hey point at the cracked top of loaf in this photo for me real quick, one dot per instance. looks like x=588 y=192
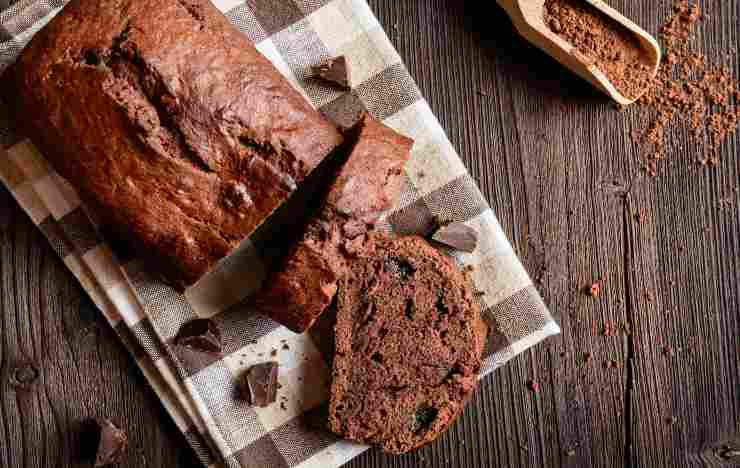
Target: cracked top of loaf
x=176 y=132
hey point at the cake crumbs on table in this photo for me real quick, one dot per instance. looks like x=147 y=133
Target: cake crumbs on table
x=613 y=364
x=533 y=386
x=594 y=289
x=610 y=328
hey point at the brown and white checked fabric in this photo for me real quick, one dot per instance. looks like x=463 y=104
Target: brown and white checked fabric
x=199 y=391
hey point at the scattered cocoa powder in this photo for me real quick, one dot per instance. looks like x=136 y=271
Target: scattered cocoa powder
x=601 y=41
x=533 y=386
x=594 y=289
x=610 y=329
x=613 y=364
x=687 y=90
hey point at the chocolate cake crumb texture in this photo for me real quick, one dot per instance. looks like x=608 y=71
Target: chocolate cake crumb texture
x=687 y=90
x=601 y=41
x=409 y=339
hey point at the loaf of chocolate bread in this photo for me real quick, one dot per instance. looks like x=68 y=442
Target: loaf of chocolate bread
x=176 y=132
x=409 y=338
x=368 y=183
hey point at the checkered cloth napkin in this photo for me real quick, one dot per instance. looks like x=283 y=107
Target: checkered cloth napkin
x=199 y=391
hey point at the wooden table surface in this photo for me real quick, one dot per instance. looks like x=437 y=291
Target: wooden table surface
x=555 y=160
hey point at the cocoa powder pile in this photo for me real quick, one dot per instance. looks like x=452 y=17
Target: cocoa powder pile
x=601 y=41
x=687 y=90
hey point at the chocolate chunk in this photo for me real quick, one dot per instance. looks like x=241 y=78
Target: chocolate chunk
x=399 y=268
x=112 y=444
x=259 y=384
x=423 y=417
x=335 y=70
x=458 y=236
x=202 y=335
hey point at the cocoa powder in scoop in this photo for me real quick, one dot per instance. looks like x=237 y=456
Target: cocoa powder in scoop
x=601 y=41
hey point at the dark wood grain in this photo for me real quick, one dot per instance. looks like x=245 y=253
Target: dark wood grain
x=61 y=363
x=555 y=161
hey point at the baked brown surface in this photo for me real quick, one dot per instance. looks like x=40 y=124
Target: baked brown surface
x=174 y=129
x=368 y=183
x=409 y=340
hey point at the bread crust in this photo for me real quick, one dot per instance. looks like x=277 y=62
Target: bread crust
x=167 y=121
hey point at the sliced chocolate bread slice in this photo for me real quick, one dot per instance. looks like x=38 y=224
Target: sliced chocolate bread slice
x=367 y=184
x=409 y=340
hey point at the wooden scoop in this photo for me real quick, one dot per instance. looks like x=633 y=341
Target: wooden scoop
x=528 y=18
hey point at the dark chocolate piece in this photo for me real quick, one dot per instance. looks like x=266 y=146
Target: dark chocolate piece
x=335 y=70
x=202 y=335
x=112 y=444
x=259 y=384
x=458 y=236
